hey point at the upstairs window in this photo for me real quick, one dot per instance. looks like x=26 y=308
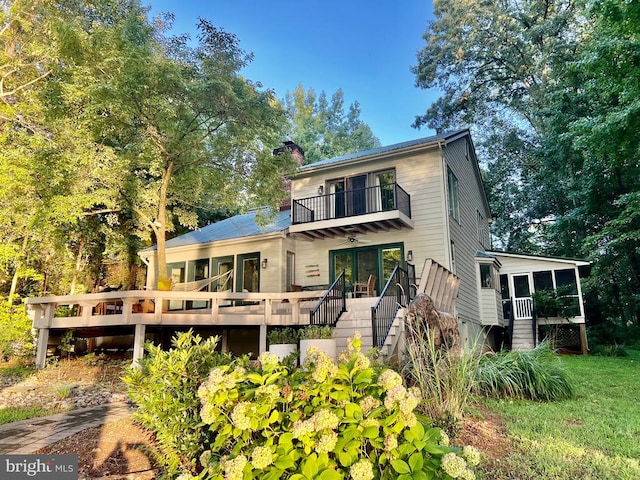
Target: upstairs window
x=452 y=184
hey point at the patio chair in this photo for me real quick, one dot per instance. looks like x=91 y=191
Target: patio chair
x=364 y=289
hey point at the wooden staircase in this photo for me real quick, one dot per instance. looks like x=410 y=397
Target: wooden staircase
x=435 y=280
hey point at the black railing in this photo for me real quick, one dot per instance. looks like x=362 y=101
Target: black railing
x=331 y=305
x=350 y=203
x=507 y=312
x=395 y=294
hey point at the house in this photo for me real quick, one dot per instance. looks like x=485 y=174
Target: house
x=357 y=219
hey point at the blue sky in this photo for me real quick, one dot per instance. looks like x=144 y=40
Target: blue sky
x=364 y=47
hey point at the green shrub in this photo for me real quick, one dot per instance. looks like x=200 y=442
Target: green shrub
x=326 y=421
x=535 y=375
x=15 y=330
x=283 y=336
x=164 y=385
x=614 y=350
x=316 y=332
x=446 y=379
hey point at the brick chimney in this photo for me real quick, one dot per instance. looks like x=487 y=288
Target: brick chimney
x=298 y=155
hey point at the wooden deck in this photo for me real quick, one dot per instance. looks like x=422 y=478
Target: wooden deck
x=139 y=308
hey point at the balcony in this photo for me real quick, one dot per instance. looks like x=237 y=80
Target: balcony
x=371 y=209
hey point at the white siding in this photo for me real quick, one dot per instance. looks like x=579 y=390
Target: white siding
x=462 y=162
x=420 y=174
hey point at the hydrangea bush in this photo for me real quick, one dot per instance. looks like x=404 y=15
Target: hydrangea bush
x=326 y=421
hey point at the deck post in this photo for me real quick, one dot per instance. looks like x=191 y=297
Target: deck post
x=584 y=346
x=138 y=342
x=41 y=352
x=263 y=339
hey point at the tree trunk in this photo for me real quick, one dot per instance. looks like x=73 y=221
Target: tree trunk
x=160 y=224
x=18 y=267
x=78 y=269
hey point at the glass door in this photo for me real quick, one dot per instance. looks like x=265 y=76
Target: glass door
x=198 y=270
x=176 y=274
x=367 y=264
x=248 y=278
x=356 y=195
x=523 y=307
x=219 y=266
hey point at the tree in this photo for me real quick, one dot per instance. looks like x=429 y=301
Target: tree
x=322 y=128
x=559 y=82
x=186 y=124
x=48 y=161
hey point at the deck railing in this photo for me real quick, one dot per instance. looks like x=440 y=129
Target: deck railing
x=395 y=294
x=350 y=203
x=331 y=305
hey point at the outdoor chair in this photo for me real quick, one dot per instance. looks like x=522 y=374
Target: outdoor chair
x=364 y=289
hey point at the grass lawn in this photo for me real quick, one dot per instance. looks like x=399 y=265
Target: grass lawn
x=596 y=435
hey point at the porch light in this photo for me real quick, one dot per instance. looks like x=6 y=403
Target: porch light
x=410 y=256
x=264 y=263
x=321 y=190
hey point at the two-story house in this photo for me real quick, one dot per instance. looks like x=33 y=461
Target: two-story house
x=365 y=213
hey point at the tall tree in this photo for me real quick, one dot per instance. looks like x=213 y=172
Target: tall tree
x=48 y=161
x=323 y=128
x=189 y=126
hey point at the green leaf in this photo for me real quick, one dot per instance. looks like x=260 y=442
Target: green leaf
x=353 y=410
x=310 y=466
x=363 y=376
x=422 y=475
x=345 y=459
x=329 y=474
x=400 y=466
x=370 y=432
x=284 y=462
x=416 y=462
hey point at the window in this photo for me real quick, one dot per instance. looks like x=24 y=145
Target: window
x=291 y=270
x=486 y=276
x=483 y=231
x=453 y=257
x=452 y=184
x=542 y=281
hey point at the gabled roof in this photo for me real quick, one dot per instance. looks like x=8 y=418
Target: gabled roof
x=443 y=137
x=239 y=226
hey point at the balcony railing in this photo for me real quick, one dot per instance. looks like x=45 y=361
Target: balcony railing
x=350 y=203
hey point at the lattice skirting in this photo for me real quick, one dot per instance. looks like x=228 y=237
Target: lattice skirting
x=562 y=336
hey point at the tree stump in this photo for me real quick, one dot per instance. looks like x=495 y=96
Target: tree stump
x=442 y=325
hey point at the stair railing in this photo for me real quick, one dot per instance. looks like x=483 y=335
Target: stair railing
x=332 y=304
x=395 y=294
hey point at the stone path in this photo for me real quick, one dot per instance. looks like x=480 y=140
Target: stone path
x=28 y=436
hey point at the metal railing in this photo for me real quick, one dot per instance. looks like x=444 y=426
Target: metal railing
x=350 y=203
x=395 y=294
x=331 y=305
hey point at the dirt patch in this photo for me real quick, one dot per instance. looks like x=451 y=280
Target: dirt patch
x=117 y=450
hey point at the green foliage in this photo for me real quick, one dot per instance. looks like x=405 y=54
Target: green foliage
x=316 y=332
x=610 y=351
x=591 y=436
x=15 y=330
x=326 y=421
x=15 y=414
x=64 y=391
x=536 y=374
x=283 y=336
x=322 y=128
x=164 y=386
x=445 y=378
